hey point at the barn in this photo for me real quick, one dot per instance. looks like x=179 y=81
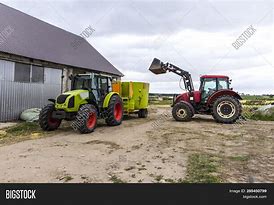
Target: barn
x=36 y=59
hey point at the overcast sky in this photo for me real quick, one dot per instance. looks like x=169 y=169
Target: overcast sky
x=194 y=35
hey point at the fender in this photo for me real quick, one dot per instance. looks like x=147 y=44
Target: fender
x=107 y=98
x=219 y=93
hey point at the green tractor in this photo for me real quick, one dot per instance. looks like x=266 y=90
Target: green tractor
x=90 y=98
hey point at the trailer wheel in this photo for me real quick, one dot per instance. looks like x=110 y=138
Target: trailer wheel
x=226 y=109
x=115 y=111
x=86 y=119
x=182 y=112
x=46 y=122
x=142 y=113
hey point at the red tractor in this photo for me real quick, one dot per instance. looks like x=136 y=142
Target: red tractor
x=214 y=97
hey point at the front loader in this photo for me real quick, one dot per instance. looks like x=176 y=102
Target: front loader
x=215 y=97
x=90 y=98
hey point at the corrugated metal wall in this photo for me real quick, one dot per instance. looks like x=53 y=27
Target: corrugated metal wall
x=16 y=97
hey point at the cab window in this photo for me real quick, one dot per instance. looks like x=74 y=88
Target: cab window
x=104 y=84
x=208 y=87
x=222 y=83
x=209 y=84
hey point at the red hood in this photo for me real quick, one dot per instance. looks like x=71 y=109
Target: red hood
x=185 y=97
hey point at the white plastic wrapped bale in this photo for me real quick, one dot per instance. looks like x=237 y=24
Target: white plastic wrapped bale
x=30 y=115
x=266 y=110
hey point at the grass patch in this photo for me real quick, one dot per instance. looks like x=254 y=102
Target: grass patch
x=65 y=178
x=130 y=168
x=262 y=117
x=160 y=102
x=24 y=128
x=170 y=181
x=252 y=114
x=68 y=178
x=157 y=178
x=111 y=145
x=21 y=132
x=116 y=179
x=243 y=158
x=202 y=168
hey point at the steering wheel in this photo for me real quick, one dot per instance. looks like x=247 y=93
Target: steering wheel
x=210 y=91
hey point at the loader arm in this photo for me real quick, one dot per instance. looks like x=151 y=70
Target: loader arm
x=158 y=67
x=184 y=74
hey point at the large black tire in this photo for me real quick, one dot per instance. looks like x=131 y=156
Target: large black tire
x=46 y=122
x=182 y=112
x=86 y=119
x=142 y=113
x=226 y=109
x=115 y=111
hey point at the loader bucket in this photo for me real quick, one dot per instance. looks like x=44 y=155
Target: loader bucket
x=156 y=67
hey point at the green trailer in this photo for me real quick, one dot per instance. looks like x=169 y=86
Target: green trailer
x=134 y=96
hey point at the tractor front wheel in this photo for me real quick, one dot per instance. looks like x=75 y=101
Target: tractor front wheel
x=46 y=121
x=182 y=112
x=86 y=119
x=115 y=111
x=226 y=109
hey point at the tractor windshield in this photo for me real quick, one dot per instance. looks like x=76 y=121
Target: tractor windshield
x=81 y=83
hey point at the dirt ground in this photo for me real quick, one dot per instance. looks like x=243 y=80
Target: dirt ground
x=156 y=149
x=6 y=124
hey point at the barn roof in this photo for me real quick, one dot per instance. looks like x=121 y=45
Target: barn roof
x=27 y=36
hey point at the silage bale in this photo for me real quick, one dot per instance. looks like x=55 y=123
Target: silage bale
x=30 y=115
x=264 y=113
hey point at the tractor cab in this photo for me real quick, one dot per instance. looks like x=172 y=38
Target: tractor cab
x=212 y=83
x=98 y=85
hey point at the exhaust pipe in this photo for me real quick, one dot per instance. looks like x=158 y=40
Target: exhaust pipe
x=157 y=67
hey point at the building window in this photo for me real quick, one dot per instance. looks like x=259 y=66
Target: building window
x=28 y=73
x=22 y=72
x=37 y=74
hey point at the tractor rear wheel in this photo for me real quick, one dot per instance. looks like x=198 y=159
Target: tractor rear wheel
x=142 y=113
x=226 y=109
x=86 y=119
x=46 y=122
x=182 y=112
x=115 y=111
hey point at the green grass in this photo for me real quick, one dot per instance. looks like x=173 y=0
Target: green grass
x=24 y=128
x=258 y=116
x=21 y=132
x=243 y=158
x=160 y=102
x=116 y=179
x=250 y=113
x=158 y=178
x=65 y=178
x=170 y=180
x=257 y=97
x=202 y=168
